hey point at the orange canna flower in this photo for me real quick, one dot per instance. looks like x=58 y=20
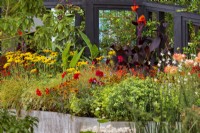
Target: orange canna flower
x=142 y=20
x=134 y=8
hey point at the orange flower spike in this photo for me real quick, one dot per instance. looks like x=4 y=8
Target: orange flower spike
x=142 y=20
x=134 y=8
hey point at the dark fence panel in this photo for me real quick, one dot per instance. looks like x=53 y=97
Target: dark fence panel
x=92 y=7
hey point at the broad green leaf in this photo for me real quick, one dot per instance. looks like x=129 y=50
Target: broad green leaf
x=60 y=27
x=94 y=51
x=76 y=58
x=65 y=55
x=86 y=39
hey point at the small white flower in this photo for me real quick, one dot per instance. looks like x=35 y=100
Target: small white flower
x=168 y=59
x=195 y=63
x=185 y=79
x=174 y=62
x=159 y=65
x=168 y=53
x=167 y=62
x=180 y=66
x=163 y=60
x=178 y=81
x=189 y=73
x=159 y=61
x=149 y=62
x=162 y=54
x=192 y=55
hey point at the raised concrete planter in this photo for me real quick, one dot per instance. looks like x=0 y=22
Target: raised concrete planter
x=52 y=122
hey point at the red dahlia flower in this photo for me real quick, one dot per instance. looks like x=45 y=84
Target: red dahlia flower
x=92 y=80
x=76 y=75
x=63 y=74
x=38 y=92
x=99 y=73
x=120 y=58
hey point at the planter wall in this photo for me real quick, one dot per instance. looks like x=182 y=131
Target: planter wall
x=52 y=122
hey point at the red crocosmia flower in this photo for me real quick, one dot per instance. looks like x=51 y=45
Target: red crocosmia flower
x=47 y=91
x=20 y=32
x=120 y=58
x=142 y=20
x=38 y=92
x=76 y=75
x=63 y=74
x=134 y=8
x=92 y=80
x=199 y=75
x=99 y=73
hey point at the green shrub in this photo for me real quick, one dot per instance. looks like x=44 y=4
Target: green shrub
x=10 y=123
x=131 y=99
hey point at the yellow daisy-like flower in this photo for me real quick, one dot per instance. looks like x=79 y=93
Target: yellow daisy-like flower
x=81 y=63
x=46 y=51
x=6 y=65
x=70 y=70
x=54 y=54
x=10 y=60
x=99 y=58
x=9 y=53
x=17 y=61
x=33 y=70
x=111 y=53
x=51 y=62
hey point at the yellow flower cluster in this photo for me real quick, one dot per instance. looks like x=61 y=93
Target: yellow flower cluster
x=27 y=58
x=82 y=63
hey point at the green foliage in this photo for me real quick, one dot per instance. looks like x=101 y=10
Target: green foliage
x=194 y=42
x=17 y=16
x=10 y=123
x=81 y=105
x=116 y=28
x=66 y=55
x=131 y=99
x=191 y=5
x=59 y=27
x=76 y=58
x=150 y=29
x=94 y=51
